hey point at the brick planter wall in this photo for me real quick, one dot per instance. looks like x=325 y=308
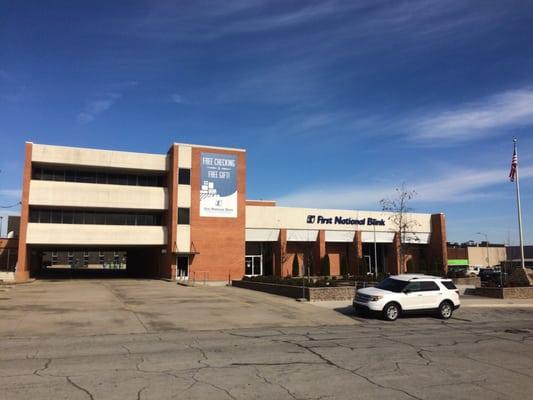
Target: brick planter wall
x=311 y=294
x=331 y=293
x=472 y=281
x=525 y=292
x=294 y=292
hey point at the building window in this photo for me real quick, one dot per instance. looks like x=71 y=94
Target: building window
x=184 y=176
x=91 y=176
x=184 y=216
x=90 y=217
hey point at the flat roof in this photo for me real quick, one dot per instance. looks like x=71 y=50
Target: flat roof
x=210 y=147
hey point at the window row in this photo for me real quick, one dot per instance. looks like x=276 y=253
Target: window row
x=63 y=175
x=94 y=217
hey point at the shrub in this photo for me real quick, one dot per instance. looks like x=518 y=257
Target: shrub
x=344 y=265
x=295 y=266
x=325 y=265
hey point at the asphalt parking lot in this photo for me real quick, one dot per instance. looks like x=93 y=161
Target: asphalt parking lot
x=483 y=352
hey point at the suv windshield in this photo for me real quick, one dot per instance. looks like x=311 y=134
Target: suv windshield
x=392 y=285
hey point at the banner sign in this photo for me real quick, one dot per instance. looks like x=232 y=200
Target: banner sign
x=218 y=185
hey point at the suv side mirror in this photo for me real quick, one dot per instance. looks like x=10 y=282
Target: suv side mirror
x=407 y=291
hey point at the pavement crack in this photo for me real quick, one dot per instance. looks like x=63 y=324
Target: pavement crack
x=274 y=364
x=355 y=372
x=141 y=390
x=79 y=387
x=46 y=365
x=269 y=382
x=498 y=366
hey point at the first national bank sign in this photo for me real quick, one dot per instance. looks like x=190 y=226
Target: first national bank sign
x=337 y=220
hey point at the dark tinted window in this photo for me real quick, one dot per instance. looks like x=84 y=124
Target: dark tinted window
x=70 y=176
x=115 y=219
x=99 y=219
x=78 y=217
x=37 y=173
x=449 y=285
x=428 y=286
x=47 y=175
x=101 y=177
x=392 y=285
x=94 y=217
x=89 y=217
x=184 y=176
x=59 y=176
x=413 y=287
x=68 y=217
x=44 y=216
x=86 y=177
x=132 y=180
x=34 y=215
x=114 y=178
x=55 y=216
x=183 y=216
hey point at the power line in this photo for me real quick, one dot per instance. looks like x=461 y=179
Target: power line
x=12 y=205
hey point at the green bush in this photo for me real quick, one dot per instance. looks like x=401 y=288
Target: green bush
x=295 y=266
x=325 y=265
x=344 y=265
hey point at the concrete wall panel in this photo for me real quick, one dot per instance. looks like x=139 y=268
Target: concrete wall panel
x=72 y=234
x=73 y=194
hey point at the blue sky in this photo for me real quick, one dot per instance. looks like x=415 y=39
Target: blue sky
x=336 y=102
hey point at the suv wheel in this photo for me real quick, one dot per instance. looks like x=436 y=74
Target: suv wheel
x=445 y=310
x=391 y=311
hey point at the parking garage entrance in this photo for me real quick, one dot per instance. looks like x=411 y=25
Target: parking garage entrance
x=105 y=262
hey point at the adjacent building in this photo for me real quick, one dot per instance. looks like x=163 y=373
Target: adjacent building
x=185 y=214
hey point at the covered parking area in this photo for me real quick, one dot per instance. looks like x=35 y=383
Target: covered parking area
x=63 y=262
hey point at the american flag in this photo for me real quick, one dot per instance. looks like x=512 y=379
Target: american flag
x=514 y=165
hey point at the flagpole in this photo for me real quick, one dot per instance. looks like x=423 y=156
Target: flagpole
x=519 y=207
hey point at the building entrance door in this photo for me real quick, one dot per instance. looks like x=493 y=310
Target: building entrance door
x=253 y=266
x=182 y=272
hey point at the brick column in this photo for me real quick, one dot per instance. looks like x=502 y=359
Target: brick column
x=355 y=254
x=280 y=250
x=438 y=250
x=393 y=262
x=320 y=251
x=22 y=272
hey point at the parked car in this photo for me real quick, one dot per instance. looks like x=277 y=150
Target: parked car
x=473 y=270
x=409 y=293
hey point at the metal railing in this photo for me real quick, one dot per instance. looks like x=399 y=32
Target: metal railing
x=200 y=276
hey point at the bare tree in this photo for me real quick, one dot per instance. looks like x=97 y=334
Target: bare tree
x=399 y=208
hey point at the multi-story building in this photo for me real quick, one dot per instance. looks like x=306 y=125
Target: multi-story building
x=185 y=213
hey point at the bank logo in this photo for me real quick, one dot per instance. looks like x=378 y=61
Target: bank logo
x=311 y=219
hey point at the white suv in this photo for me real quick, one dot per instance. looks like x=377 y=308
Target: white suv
x=409 y=293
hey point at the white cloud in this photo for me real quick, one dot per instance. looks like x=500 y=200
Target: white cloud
x=98 y=106
x=456 y=186
x=481 y=118
x=177 y=98
x=104 y=101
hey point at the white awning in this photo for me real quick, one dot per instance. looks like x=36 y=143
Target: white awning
x=301 y=235
x=340 y=236
x=262 y=235
x=381 y=237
